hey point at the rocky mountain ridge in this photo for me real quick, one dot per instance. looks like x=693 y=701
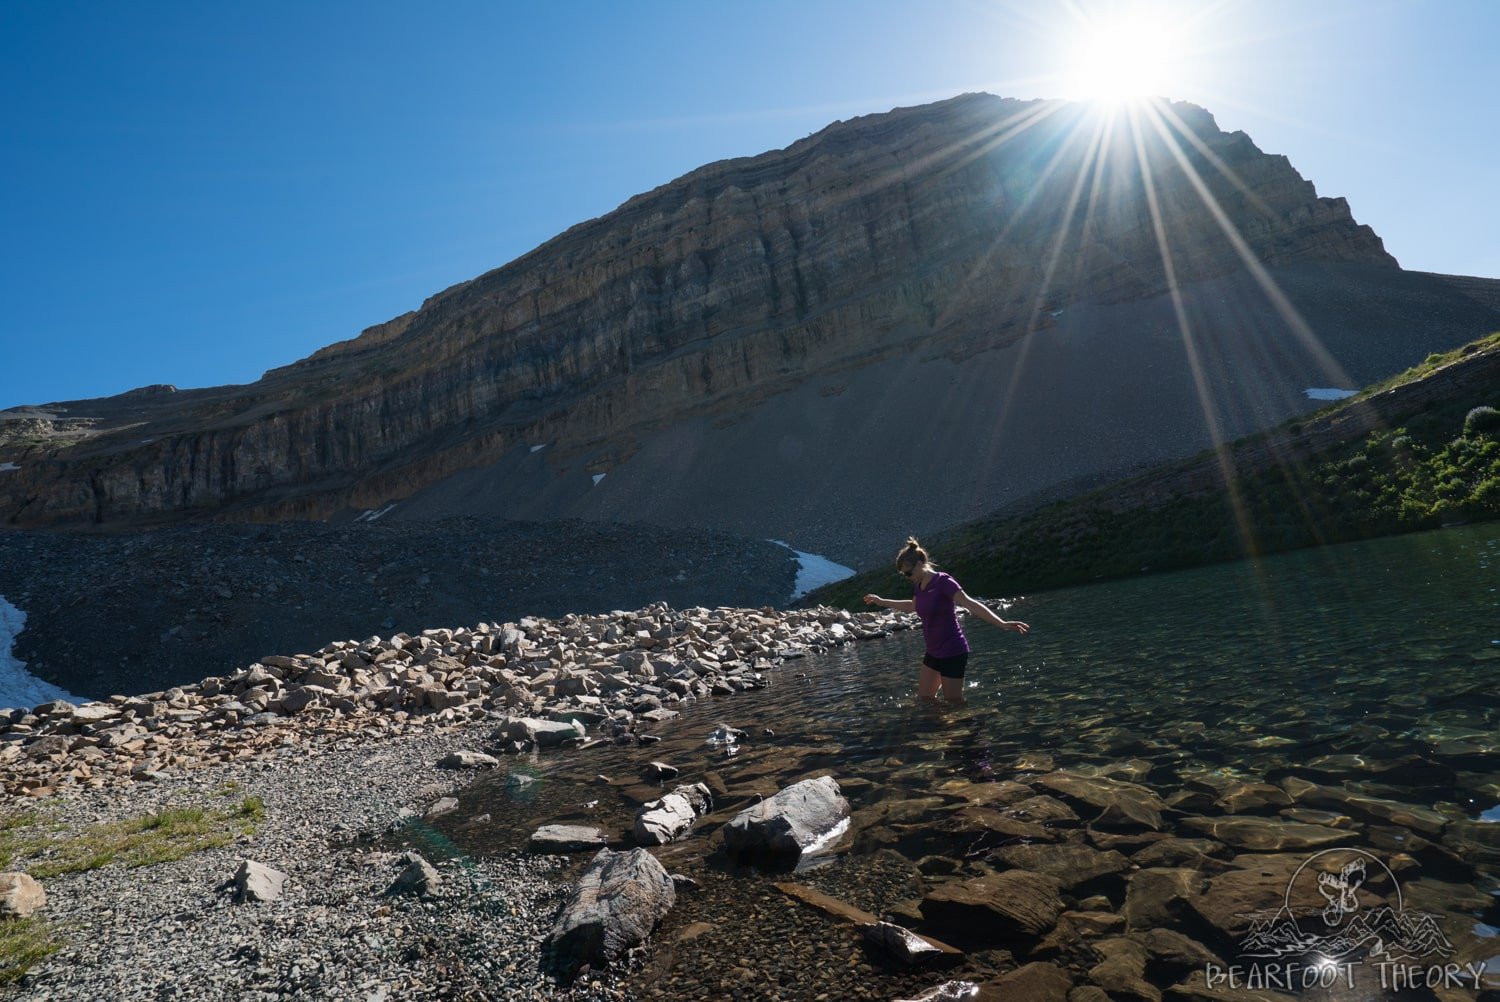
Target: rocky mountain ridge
x=968 y=223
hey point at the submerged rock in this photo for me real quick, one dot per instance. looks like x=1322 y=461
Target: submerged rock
x=791 y=821
x=1172 y=852
x=616 y=904
x=826 y=904
x=1249 y=798
x=1072 y=865
x=1117 y=804
x=995 y=907
x=1263 y=884
x=1174 y=950
x=1122 y=971
x=1158 y=897
x=1252 y=834
x=1035 y=982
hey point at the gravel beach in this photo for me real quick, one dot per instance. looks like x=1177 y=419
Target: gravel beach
x=173 y=930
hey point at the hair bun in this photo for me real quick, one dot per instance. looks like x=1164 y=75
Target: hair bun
x=913 y=552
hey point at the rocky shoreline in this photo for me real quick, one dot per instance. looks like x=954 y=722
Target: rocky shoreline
x=341 y=746
x=615 y=673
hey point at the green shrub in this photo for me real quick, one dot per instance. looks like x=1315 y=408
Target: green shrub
x=1482 y=420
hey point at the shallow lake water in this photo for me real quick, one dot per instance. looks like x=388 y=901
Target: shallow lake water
x=1360 y=681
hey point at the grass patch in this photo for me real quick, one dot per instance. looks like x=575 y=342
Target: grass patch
x=23 y=941
x=153 y=838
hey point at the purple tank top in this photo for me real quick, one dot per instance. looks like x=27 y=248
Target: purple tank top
x=945 y=638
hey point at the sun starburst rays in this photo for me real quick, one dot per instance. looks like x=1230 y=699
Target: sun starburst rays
x=1146 y=150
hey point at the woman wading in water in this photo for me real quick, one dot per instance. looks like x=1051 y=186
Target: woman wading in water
x=936 y=600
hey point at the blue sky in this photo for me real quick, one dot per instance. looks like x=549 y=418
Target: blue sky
x=193 y=193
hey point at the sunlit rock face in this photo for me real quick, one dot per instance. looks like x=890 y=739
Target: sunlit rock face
x=960 y=227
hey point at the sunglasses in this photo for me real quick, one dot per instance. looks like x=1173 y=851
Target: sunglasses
x=906 y=572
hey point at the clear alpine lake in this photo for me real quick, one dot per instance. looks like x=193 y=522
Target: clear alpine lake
x=1347 y=690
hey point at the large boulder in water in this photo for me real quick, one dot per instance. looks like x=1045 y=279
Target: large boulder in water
x=791 y=821
x=617 y=903
x=669 y=818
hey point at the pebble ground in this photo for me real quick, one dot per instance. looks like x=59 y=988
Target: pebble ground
x=173 y=930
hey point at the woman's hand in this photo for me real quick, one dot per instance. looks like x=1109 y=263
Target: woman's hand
x=874 y=600
x=1019 y=627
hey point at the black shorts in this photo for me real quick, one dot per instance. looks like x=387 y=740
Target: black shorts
x=947 y=667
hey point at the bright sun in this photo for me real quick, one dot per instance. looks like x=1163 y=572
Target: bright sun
x=1123 y=58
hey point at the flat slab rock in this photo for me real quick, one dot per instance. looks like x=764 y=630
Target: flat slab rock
x=1009 y=905
x=1267 y=835
x=826 y=904
x=567 y=838
x=1118 y=804
x=954 y=991
x=616 y=904
x=1072 y=865
x=1035 y=982
x=1160 y=896
x=546 y=733
x=790 y=822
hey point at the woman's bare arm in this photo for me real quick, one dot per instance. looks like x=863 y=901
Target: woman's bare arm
x=899 y=604
x=987 y=614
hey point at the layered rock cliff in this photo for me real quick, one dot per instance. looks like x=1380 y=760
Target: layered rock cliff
x=970 y=222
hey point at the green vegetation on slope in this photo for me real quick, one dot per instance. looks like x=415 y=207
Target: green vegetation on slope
x=1440 y=464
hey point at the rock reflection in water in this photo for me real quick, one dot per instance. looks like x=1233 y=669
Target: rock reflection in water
x=1159 y=757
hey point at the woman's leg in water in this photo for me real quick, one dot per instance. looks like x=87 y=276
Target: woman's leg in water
x=927 y=685
x=953 y=690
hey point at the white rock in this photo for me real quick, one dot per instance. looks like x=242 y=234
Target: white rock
x=256 y=882
x=791 y=821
